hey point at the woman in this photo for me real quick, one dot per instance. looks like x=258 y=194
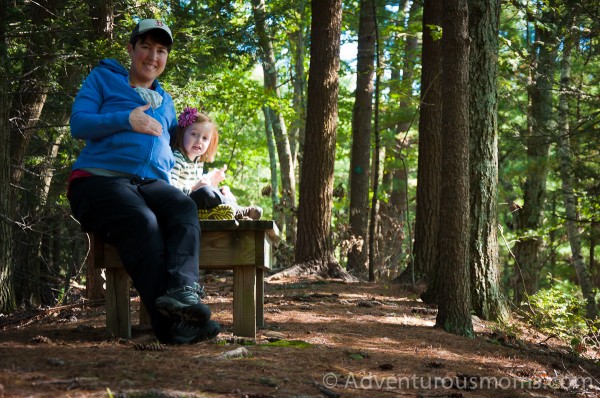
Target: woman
x=119 y=186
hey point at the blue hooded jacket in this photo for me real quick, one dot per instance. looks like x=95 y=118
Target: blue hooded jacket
x=100 y=115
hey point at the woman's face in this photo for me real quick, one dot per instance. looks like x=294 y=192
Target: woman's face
x=148 y=61
x=196 y=139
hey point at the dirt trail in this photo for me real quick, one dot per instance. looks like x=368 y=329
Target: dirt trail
x=322 y=339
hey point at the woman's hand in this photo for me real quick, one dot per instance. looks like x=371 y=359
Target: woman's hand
x=142 y=123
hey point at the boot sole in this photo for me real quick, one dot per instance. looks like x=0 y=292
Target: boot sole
x=197 y=314
x=208 y=331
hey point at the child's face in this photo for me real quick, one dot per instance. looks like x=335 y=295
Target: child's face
x=196 y=139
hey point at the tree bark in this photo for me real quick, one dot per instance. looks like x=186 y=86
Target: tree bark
x=361 y=139
x=314 y=251
x=298 y=78
x=7 y=293
x=429 y=166
x=278 y=215
x=102 y=16
x=454 y=305
x=32 y=91
x=566 y=173
x=288 y=179
x=488 y=300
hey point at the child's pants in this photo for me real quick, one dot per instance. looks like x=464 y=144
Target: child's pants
x=208 y=197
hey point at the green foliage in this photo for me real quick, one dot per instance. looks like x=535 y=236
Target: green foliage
x=435 y=31
x=560 y=311
x=504 y=333
x=518 y=49
x=288 y=343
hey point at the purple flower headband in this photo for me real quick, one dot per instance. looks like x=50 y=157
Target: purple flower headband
x=187 y=117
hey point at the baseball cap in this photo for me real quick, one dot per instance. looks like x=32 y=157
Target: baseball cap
x=146 y=25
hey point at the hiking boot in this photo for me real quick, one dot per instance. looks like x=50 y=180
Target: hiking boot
x=184 y=303
x=221 y=212
x=249 y=213
x=185 y=333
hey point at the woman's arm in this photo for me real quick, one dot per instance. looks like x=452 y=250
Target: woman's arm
x=89 y=123
x=86 y=120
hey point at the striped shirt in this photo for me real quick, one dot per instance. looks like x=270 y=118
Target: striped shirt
x=186 y=172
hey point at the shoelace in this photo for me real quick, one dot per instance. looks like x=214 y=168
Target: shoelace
x=195 y=292
x=200 y=290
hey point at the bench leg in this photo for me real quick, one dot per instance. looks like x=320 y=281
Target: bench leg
x=244 y=301
x=144 y=316
x=260 y=297
x=118 y=316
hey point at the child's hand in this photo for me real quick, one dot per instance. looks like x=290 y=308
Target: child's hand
x=216 y=176
x=204 y=181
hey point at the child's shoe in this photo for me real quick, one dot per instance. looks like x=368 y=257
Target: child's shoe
x=221 y=212
x=249 y=213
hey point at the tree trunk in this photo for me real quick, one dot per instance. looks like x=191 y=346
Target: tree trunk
x=528 y=248
x=7 y=293
x=488 y=300
x=288 y=180
x=361 y=139
x=102 y=16
x=429 y=166
x=278 y=213
x=32 y=91
x=298 y=78
x=566 y=173
x=454 y=305
x=25 y=114
x=314 y=252
x=395 y=175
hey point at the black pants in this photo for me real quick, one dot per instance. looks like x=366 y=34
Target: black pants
x=207 y=197
x=154 y=227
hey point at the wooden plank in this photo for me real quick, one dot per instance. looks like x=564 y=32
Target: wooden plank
x=111 y=257
x=227 y=248
x=269 y=226
x=118 y=314
x=260 y=297
x=144 y=316
x=261 y=261
x=244 y=301
x=94 y=282
x=244 y=225
x=218 y=225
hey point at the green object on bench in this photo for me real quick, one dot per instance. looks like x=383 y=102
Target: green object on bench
x=244 y=246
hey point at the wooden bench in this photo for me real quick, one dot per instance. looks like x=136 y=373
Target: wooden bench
x=241 y=245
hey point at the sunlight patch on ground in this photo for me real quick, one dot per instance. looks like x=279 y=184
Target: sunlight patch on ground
x=407 y=320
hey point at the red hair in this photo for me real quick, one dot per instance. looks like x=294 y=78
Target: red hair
x=201 y=118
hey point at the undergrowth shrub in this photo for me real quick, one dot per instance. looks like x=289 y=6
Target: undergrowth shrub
x=560 y=311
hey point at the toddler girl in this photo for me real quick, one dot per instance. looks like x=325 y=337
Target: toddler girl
x=195 y=142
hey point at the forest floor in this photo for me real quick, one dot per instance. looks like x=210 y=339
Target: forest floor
x=321 y=339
